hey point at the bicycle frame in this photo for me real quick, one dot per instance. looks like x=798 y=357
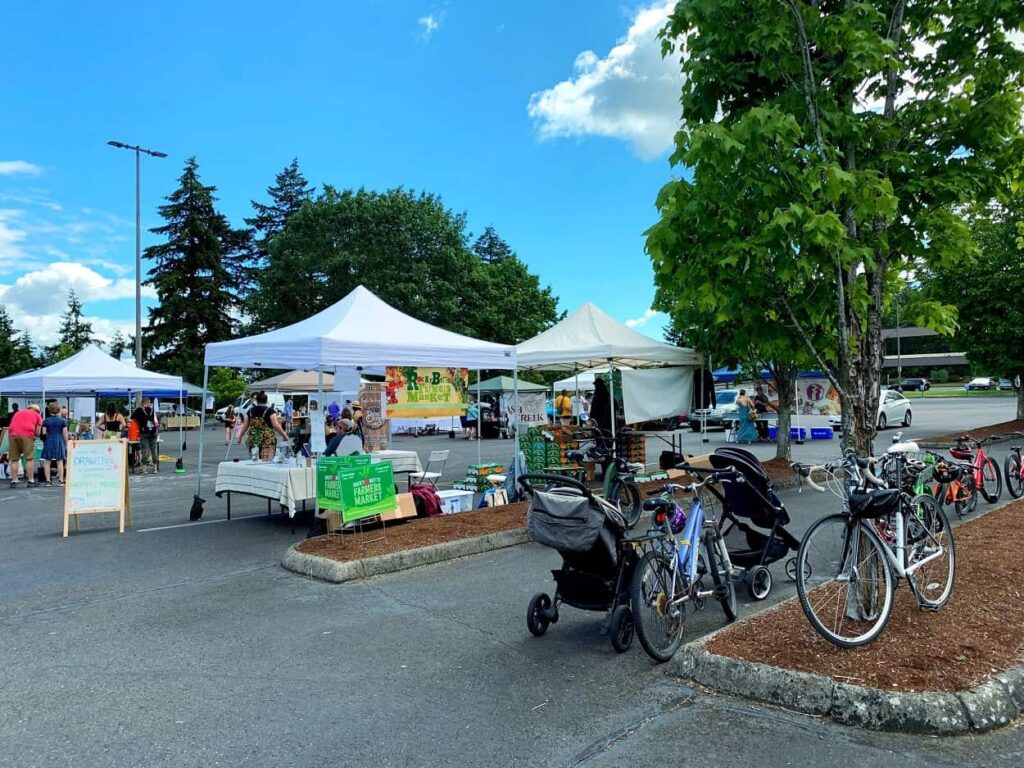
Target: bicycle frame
x=684 y=555
x=979 y=459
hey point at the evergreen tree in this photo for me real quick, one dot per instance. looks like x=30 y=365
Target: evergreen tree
x=490 y=248
x=196 y=274
x=119 y=345
x=75 y=332
x=289 y=192
x=15 y=349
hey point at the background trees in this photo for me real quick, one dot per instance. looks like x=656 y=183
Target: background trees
x=75 y=333
x=988 y=291
x=836 y=142
x=15 y=347
x=196 y=272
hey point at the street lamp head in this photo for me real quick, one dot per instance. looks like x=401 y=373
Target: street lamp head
x=158 y=154
x=118 y=144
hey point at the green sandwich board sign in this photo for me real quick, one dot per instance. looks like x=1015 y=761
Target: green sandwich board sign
x=354 y=486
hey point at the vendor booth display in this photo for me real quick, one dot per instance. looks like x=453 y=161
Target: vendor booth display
x=357 y=330
x=545 y=448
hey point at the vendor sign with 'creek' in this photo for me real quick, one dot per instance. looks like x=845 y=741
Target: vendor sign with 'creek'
x=415 y=393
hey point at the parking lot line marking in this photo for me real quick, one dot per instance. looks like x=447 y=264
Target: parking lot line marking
x=193 y=525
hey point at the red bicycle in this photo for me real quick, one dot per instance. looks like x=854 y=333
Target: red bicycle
x=1014 y=468
x=987 y=479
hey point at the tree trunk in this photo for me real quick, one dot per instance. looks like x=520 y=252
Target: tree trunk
x=785 y=381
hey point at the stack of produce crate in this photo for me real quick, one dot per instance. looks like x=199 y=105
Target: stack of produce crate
x=476 y=477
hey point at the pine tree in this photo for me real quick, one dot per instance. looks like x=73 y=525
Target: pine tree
x=197 y=273
x=75 y=333
x=289 y=192
x=490 y=248
x=119 y=345
x=15 y=349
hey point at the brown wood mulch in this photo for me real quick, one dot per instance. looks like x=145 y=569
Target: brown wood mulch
x=978 y=632
x=416 y=533
x=980 y=433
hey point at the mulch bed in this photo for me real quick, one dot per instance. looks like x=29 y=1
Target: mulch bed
x=778 y=470
x=979 y=433
x=978 y=632
x=417 y=533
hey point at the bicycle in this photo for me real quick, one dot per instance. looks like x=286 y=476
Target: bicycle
x=617 y=476
x=1013 y=468
x=986 y=471
x=847 y=561
x=954 y=485
x=670 y=573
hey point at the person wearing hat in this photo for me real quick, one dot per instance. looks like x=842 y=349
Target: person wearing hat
x=26 y=426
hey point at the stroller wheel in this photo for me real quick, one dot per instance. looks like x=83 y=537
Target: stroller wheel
x=538 y=614
x=621 y=624
x=791 y=569
x=759 y=582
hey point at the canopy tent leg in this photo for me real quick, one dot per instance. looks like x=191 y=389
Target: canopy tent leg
x=197 y=502
x=181 y=425
x=611 y=378
x=479 y=418
x=703 y=406
x=514 y=413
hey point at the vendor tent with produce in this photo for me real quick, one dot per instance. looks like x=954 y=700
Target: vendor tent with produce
x=589 y=338
x=359 y=330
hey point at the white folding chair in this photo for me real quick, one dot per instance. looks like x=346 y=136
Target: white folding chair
x=438 y=458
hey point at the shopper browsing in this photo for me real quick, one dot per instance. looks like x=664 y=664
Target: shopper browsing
x=145 y=417
x=55 y=445
x=26 y=426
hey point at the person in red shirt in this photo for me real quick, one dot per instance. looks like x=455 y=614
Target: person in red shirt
x=25 y=427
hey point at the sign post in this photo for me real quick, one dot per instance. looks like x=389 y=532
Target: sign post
x=97 y=480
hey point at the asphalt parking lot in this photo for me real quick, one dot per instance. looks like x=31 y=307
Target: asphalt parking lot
x=185 y=644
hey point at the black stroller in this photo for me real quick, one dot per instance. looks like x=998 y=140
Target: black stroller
x=751 y=549
x=597 y=563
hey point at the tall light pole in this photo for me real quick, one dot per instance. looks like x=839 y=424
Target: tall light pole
x=139 y=151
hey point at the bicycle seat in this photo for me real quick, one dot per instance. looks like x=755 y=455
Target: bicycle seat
x=963 y=455
x=576 y=456
x=650 y=505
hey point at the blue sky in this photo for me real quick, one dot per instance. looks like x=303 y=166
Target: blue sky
x=550 y=121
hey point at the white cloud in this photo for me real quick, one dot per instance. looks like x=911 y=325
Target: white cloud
x=12 y=167
x=430 y=24
x=12 y=235
x=639 y=322
x=631 y=94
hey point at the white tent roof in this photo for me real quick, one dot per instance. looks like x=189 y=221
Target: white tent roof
x=359 y=330
x=588 y=338
x=89 y=371
x=294 y=381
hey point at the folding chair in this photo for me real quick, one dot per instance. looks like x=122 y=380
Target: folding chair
x=427 y=476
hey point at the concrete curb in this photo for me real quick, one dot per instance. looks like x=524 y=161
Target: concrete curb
x=325 y=569
x=993 y=704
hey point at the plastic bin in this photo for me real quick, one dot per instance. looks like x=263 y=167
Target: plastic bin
x=455 y=501
x=821 y=433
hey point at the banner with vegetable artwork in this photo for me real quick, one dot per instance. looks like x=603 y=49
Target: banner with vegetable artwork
x=415 y=393
x=817 y=397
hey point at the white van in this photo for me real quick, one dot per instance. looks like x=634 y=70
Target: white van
x=242 y=405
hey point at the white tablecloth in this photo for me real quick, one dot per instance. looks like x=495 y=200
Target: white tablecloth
x=401 y=461
x=285 y=484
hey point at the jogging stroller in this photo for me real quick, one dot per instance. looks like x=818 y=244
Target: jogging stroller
x=763 y=539
x=597 y=566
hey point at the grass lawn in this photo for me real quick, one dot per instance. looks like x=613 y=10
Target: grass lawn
x=958 y=391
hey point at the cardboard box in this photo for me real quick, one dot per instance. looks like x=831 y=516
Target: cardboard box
x=406 y=508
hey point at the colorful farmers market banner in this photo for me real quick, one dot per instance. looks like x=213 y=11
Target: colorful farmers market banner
x=415 y=393
x=817 y=397
x=355 y=486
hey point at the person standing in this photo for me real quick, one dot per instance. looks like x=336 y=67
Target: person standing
x=746 y=430
x=6 y=420
x=472 y=416
x=229 y=423
x=145 y=417
x=289 y=415
x=563 y=407
x=55 y=445
x=25 y=428
x=761 y=406
x=113 y=423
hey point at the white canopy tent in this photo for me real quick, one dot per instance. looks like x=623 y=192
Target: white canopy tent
x=88 y=373
x=358 y=330
x=584 y=380
x=590 y=338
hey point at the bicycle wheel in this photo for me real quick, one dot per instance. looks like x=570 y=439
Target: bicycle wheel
x=848 y=595
x=725 y=588
x=965 y=495
x=1014 y=478
x=929 y=535
x=658 y=620
x=627 y=496
x=991 y=483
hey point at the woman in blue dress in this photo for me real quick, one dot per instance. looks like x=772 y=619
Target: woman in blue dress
x=55 y=444
x=747 y=431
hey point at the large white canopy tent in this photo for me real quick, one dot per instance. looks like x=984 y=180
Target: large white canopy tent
x=590 y=338
x=359 y=330
x=88 y=373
